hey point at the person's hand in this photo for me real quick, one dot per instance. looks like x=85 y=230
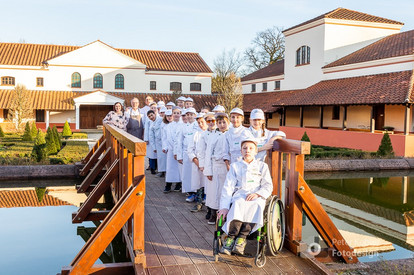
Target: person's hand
x=201 y=169
x=195 y=160
x=269 y=144
x=164 y=151
x=252 y=197
x=222 y=212
x=155 y=151
x=175 y=157
x=210 y=178
x=147 y=142
x=180 y=161
x=227 y=164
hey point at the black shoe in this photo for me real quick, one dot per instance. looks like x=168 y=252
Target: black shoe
x=177 y=187
x=197 y=208
x=167 y=187
x=213 y=217
x=149 y=168
x=208 y=215
x=162 y=175
x=153 y=171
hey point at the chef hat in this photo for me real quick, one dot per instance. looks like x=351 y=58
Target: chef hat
x=183 y=112
x=163 y=109
x=153 y=103
x=219 y=108
x=170 y=104
x=176 y=107
x=160 y=104
x=221 y=114
x=237 y=111
x=189 y=99
x=210 y=115
x=182 y=98
x=191 y=110
x=168 y=112
x=257 y=114
x=249 y=139
x=200 y=115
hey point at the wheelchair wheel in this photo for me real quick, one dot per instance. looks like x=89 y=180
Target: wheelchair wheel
x=217 y=239
x=260 y=259
x=275 y=225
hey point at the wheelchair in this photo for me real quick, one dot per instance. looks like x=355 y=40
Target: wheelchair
x=269 y=238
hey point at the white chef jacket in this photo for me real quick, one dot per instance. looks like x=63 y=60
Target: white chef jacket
x=234 y=137
x=263 y=139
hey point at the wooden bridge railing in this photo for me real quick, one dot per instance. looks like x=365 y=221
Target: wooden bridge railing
x=121 y=156
x=299 y=198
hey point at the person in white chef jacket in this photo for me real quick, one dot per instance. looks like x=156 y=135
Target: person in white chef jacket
x=152 y=116
x=195 y=155
x=248 y=184
x=215 y=168
x=155 y=137
x=264 y=137
x=234 y=136
x=168 y=143
x=184 y=135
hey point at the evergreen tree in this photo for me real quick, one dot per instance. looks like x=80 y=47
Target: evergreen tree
x=385 y=149
x=306 y=138
x=40 y=193
x=27 y=136
x=39 y=148
x=67 y=132
x=50 y=142
x=33 y=130
x=1 y=132
x=58 y=141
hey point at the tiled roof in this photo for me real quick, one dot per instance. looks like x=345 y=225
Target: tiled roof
x=27 y=198
x=35 y=54
x=346 y=14
x=389 y=88
x=399 y=44
x=275 y=69
x=63 y=100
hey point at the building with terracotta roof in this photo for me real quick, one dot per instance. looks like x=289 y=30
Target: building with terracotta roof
x=59 y=76
x=346 y=77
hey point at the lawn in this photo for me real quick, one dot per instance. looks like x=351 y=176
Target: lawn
x=326 y=152
x=14 y=151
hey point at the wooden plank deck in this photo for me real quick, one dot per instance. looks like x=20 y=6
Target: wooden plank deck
x=180 y=242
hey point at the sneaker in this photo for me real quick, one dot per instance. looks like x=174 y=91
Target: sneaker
x=208 y=215
x=213 y=217
x=204 y=199
x=162 y=175
x=196 y=208
x=239 y=246
x=190 y=198
x=152 y=171
x=227 y=246
x=167 y=188
x=159 y=174
x=177 y=187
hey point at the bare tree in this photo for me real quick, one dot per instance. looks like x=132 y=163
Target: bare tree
x=226 y=82
x=20 y=108
x=267 y=47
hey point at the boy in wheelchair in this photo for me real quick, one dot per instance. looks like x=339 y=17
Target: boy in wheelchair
x=248 y=184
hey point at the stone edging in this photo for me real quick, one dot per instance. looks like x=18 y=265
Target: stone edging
x=358 y=164
x=38 y=171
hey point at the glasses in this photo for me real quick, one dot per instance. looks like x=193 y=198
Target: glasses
x=210 y=121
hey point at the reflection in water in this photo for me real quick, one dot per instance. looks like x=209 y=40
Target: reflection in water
x=373 y=211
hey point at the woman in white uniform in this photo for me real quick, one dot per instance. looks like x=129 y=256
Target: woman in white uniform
x=172 y=174
x=248 y=184
x=263 y=136
x=155 y=137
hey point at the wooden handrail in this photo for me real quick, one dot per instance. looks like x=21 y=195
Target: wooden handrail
x=299 y=198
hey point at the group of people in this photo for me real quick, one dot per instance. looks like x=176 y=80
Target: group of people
x=208 y=155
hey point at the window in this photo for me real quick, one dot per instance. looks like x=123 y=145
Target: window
x=76 y=80
x=97 y=81
x=7 y=81
x=40 y=115
x=6 y=114
x=335 y=112
x=175 y=86
x=264 y=87
x=119 y=81
x=303 y=55
x=277 y=85
x=253 y=88
x=39 y=82
x=196 y=87
x=153 y=85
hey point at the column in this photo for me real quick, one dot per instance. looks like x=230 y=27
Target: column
x=372 y=122
x=47 y=118
x=301 y=116
x=344 y=121
x=77 y=107
x=407 y=123
x=321 y=117
x=404 y=193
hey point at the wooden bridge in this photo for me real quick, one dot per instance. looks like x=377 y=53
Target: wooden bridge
x=162 y=236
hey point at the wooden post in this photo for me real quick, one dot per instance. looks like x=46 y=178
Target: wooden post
x=301 y=116
x=276 y=165
x=344 y=121
x=372 y=121
x=321 y=117
x=407 y=120
x=139 y=213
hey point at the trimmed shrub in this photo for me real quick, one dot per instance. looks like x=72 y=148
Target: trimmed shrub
x=67 y=132
x=385 y=149
x=1 y=132
x=58 y=141
x=50 y=142
x=33 y=130
x=39 y=148
x=27 y=136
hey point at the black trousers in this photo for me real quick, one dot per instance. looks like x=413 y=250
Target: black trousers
x=238 y=229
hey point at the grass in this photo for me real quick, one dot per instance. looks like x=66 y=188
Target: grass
x=14 y=151
x=326 y=152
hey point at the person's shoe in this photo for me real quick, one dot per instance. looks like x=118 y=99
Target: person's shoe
x=213 y=217
x=190 y=198
x=196 y=208
x=162 y=175
x=227 y=246
x=153 y=171
x=239 y=246
x=208 y=215
x=167 y=187
x=148 y=168
x=159 y=174
x=177 y=187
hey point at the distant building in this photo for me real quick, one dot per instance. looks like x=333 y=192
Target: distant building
x=346 y=77
x=62 y=78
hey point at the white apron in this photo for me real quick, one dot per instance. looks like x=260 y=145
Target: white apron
x=172 y=169
x=241 y=180
x=214 y=188
x=197 y=177
x=161 y=156
x=234 y=137
x=150 y=146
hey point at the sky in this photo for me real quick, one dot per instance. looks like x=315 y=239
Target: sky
x=206 y=27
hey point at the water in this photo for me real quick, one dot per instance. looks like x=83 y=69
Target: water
x=373 y=210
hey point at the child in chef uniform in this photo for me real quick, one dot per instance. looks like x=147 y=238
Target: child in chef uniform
x=248 y=184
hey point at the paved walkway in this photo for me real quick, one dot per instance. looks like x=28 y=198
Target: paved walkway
x=180 y=242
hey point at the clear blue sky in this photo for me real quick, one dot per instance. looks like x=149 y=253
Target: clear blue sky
x=206 y=27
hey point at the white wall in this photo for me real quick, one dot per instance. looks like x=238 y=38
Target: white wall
x=62 y=116
x=247 y=85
